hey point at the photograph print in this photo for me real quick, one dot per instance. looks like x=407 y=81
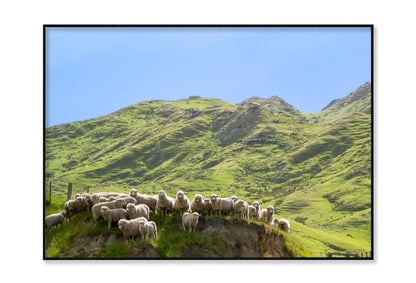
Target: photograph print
x=208 y=142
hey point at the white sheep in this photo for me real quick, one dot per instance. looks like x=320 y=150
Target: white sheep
x=266 y=215
x=150 y=201
x=113 y=215
x=164 y=204
x=284 y=225
x=148 y=229
x=240 y=209
x=131 y=228
x=253 y=210
x=190 y=220
x=181 y=203
x=136 y=211
x=275 y=223
x=54 y=219
x=221 y=205
x=96 y=208
x=197 y=204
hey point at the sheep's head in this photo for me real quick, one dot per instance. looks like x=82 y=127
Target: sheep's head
x=198 y=198
x=234 y=198
x=213 y=197
x=275 y=221
x=104 y=209
x=256 y=205
x=270 y=210
x=130 y=207
x=180 y=195
x=122 y=223
x=195 y=215
x=133 y=192
x=162 y=194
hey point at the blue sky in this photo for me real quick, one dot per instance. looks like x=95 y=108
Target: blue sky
x=91 y=72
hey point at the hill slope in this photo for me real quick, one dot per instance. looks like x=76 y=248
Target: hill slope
x=214 y=238
x=316 y=171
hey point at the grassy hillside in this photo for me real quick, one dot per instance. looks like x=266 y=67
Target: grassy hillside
x=215 y=237
x=315 y=169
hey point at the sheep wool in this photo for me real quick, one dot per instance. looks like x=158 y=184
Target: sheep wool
x=181 y=203
x=54 y=220
x=190 y=221
x=113 y=215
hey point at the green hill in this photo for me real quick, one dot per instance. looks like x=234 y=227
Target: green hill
x=315 y=169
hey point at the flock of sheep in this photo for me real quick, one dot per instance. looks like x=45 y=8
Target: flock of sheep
x=131 y=212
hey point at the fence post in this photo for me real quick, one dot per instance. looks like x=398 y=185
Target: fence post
x=50 y=192
x=69 y=192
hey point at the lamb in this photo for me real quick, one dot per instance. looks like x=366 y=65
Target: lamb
x=221 y=205
x=131 y=228
x=148 y=229
x=150 y=201
x=54 y=219
x=284 y=225
x=253 y=210
x=190 y=220
x=240 y=209
x=96 y=208
x=181 y=203
x=198 y=203
x=136 y=211
x=113 y=215
x=266 y=215
x=164 y=203
x=275 y=223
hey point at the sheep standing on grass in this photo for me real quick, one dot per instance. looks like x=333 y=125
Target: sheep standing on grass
x=253 y=210
x=181 y=203
x=131 y=228
x=96 y=208
x=148 y=229
x=190 y=220
x=275 y=223
x=240 y=209
x=266 y=215
x=150 y=201
x=113 y=215
x=54 y=219
x=284 y=225
x=221 y=205
x=164 y=203
x=197 y=204
x=136 y=211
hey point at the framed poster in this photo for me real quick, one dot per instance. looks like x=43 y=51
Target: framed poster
x=218 y=142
